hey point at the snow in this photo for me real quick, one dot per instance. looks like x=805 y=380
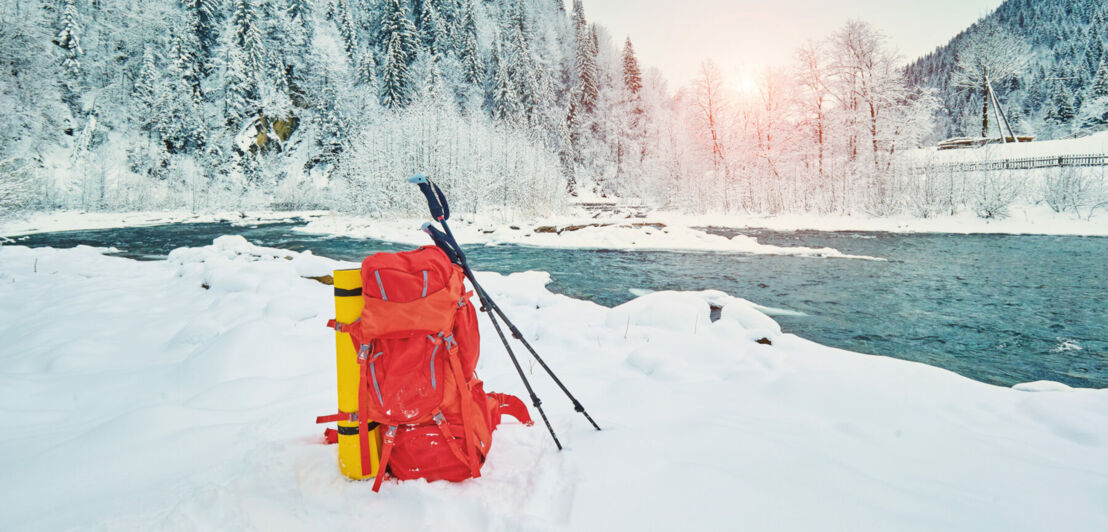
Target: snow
x=51 y=221
x=181 y=394
x=1023 y=219
x=1042 y=386
x=679 y=233
x=566 y=232
x=1096 y=143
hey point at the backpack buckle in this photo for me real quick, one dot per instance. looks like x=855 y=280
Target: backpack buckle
x=450 y=341
x=363 y=352
x=339 y=326
x=464 y=299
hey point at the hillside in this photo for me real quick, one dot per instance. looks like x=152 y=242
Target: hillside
x=204 y=104
x=1067 y=45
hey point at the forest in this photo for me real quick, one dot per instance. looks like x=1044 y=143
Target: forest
x=520 y=107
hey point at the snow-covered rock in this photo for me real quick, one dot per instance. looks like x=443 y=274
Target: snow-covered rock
x=671 y=311
x=756 y=324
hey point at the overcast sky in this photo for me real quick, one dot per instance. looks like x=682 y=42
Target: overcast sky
x=741 y=36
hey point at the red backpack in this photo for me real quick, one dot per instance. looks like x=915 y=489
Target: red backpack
x=417 y=344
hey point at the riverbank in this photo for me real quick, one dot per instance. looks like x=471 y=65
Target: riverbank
x=617 y=230
x=181 y=394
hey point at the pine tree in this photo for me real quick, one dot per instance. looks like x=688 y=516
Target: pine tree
x=579 y=23
x=202 y=21
x=503 y=100
x=570 y=155
x=238 y=90
x=632 y=76
x=1099 y=87
x=634 y=132
x=394 y=83
x=399 y=35
x=367 y=70
x=432 y=29
x=519 y=65
x=589 y=83
x=466 y=46
x=348 y=29
x=1062 y=108
x=1094 y=50
x=146 y=89
x=70 y=42
x=247 y=37
x=1094 y=110
x=300 y=13
x=397 y=30
x=185 y=51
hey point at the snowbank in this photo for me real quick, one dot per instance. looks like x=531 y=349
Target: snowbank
x=566 y=232
x=613 y=233
x=50 y=221
x=1022 y=219
x=181 y=394
x=1088 y=144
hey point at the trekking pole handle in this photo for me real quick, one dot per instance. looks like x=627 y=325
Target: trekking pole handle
x=443 y=242
x=436 y=201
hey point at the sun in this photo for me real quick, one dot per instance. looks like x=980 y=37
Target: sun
x=747 y=85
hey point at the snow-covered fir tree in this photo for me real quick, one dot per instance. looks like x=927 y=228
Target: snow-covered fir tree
x=1062 y=112
x=70 y=42
x=400 y=45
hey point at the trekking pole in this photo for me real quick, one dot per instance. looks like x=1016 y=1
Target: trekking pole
x=440 y=211
x=577 y=406
x=526 y=384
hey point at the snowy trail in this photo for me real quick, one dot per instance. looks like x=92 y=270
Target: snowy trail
x=131 y=397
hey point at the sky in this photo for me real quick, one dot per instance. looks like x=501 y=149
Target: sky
x=744 y=36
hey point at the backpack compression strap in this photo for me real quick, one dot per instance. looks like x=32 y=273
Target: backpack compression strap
x=465 y=397
x=448 y=435
x=363 y=413
x=386 y=453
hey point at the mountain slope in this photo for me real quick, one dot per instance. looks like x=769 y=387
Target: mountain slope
x=1067 y=39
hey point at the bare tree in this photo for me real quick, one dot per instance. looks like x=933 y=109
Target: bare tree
x=811 y=76
x=870 y=79
x=714 y=106
x=990 y=54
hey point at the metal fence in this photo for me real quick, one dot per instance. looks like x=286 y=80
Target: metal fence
x=1022 y=163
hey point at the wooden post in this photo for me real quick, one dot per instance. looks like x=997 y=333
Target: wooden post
x=1002 y=118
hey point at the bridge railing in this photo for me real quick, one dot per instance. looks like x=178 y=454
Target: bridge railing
x=1020 y=163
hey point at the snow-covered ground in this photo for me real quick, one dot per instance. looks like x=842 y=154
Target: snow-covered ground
x=1089 y=144
x=181 y=394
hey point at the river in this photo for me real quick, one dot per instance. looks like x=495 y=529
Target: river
x=1002 y=309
